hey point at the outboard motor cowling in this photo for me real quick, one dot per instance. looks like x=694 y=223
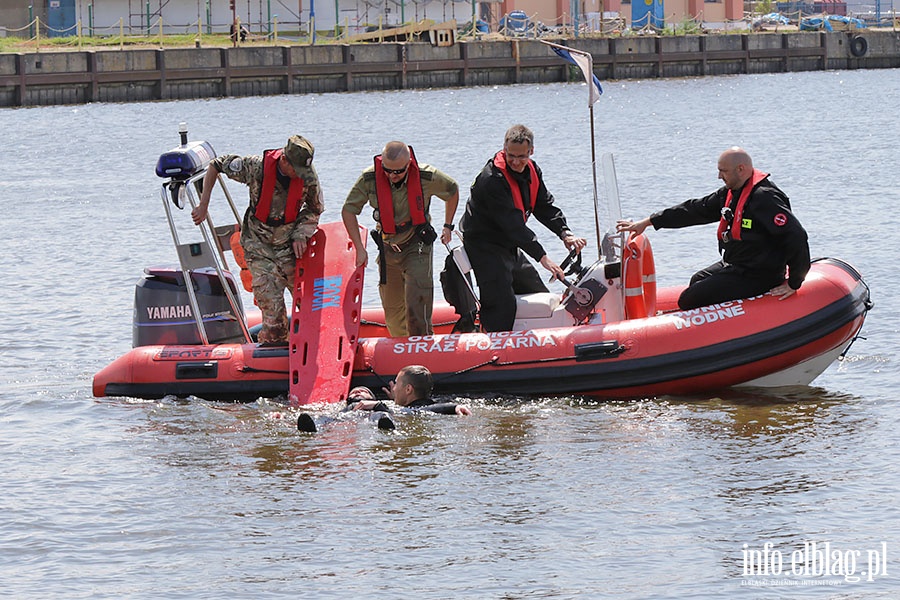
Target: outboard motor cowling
x=162 y=308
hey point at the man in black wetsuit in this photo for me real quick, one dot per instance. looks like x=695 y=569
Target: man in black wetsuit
x=411 y=390
x=509 y=189
x=306 y=422
x=764 y=247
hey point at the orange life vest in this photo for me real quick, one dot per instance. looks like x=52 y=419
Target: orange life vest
x=738 y=211
x=270 y=176
x=414 y=195
x=238 y=251
x=500 y=163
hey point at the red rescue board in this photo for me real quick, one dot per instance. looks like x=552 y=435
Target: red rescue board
x=325 y=317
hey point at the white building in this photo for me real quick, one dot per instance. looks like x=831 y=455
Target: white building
x=104 y=17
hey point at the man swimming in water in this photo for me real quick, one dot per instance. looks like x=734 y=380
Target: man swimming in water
x=410 y=390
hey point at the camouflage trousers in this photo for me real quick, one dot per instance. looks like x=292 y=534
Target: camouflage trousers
x=273 y=272
x=408 y=295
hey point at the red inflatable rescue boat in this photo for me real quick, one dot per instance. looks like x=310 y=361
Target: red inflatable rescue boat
x=195 y=340
x=754 y=342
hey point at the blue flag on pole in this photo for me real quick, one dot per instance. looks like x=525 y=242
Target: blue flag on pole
x=584 y=63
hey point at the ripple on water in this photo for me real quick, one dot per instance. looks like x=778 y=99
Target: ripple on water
x=528 y=498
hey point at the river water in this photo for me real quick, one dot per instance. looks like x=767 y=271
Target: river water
x=729 y=495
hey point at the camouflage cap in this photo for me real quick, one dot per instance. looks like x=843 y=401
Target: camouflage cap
x=299 y=152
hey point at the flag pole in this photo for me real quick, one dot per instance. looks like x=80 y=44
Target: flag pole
x=594 y=170
x=590 y=78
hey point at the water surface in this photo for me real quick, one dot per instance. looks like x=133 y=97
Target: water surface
x=528 y=498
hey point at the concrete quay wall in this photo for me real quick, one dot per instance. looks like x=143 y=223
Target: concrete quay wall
x=73 y=77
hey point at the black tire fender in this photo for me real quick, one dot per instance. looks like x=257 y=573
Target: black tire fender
x=858 y=46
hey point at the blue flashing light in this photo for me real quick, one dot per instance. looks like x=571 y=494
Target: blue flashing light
x=186 y=160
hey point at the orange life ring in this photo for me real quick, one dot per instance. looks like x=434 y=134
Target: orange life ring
x=238 y=251
x=640 y=278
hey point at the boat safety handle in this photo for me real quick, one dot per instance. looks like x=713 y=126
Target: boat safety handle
x=598 y=350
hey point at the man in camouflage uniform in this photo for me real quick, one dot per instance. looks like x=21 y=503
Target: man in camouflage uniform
x=285 y=204
x=405 y=188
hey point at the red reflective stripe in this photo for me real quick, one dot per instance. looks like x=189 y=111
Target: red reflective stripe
x=270 y=176
x=385 y=198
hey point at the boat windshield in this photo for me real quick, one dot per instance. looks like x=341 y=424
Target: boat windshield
x=609 y=211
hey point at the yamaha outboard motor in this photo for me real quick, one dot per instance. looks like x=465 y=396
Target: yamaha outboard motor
x=162 y=309
x=208 y=309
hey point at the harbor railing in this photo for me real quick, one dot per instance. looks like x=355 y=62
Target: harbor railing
x=38 y=35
